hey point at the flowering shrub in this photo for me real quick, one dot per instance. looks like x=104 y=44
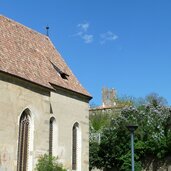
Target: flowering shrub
x=152 y=138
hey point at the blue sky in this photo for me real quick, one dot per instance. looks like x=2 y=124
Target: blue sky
x=121 y=44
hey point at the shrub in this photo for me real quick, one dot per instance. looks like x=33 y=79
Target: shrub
x=48 y=163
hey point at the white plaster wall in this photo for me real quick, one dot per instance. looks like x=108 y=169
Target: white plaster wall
x=67 y=111
x=13 y=101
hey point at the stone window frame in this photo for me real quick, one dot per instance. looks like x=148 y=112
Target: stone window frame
x=53 y=136
x=29 y=145
x=76 y=147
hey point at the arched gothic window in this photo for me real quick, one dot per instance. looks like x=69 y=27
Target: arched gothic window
x=51 y=127
x=23 y=141
x=76 y=147
x=53 y=143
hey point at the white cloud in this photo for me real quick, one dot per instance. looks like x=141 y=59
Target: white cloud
x=108 y=36
x=84 y=26
x=88 y=38
x=83 y=33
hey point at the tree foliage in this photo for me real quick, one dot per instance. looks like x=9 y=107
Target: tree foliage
x=48 y=163
x=99 y=120
x=152 y=138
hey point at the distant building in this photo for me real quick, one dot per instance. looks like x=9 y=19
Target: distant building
x=108 y=101
x=43 y=107
x=108 y=97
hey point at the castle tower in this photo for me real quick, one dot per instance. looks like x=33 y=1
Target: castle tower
x=108 y=97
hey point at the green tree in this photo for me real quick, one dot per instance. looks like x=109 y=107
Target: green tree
x=48 y=163
x=99 y=120
x=155 y=100
x=152 y=138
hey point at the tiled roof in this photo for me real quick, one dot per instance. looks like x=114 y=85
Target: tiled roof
x=30 y=55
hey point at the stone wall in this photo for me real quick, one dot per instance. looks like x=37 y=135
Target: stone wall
x=151 y=164
x=17 y=95
x=76 y=111
x=14 y=99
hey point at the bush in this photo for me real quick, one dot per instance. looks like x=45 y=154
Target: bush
x=48 y=163
x=152 y=138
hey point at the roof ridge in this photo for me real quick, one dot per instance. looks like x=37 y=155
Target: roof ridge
x=22 y=25
x=30 y=54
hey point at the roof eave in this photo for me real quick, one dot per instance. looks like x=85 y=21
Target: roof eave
x=85 y=96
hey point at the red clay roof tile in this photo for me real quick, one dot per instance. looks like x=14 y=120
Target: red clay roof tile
x=30 y=55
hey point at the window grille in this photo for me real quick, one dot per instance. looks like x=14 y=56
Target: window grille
x=74 y=146
x=51 y=136
x=23 y=142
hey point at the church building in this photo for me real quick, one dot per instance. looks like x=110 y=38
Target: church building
x=43 y=107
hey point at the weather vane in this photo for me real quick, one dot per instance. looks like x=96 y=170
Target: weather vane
x=47 y=30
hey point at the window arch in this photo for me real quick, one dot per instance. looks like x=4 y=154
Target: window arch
x=76 y=147
x=53 y=137
x=23 y=141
